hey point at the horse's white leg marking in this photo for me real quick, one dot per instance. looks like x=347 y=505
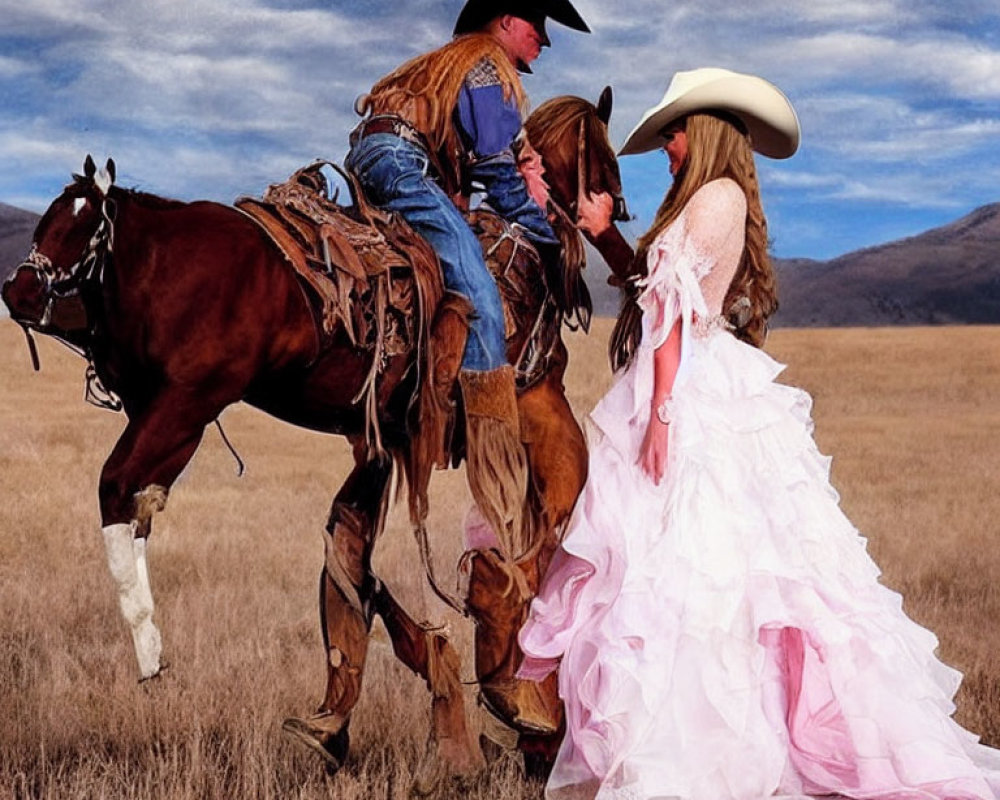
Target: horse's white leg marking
x=149 y=633
x=127 y=562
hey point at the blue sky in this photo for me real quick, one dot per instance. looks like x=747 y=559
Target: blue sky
x=214 y=99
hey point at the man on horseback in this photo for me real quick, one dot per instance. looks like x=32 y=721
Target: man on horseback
x=437 y=128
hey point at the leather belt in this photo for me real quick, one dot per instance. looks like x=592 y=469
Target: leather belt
x=387 y=123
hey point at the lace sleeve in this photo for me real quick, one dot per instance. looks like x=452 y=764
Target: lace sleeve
x=692 y=262
x=715 y=227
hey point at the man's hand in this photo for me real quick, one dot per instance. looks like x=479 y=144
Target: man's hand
x=529 y=162
x=593 y=213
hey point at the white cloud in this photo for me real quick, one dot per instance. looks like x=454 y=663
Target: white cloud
x=19 y=148
x=849 y=12
x=45 y=17
x=944 y=61
x=14 y=67
x=941 y=142
x=875 y=128
x=650 y=15
x=785 y=179
x=904 y=185
x=881 y=191
x=780 y=13
x=220 y=97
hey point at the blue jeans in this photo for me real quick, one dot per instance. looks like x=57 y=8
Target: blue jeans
x=393 y=173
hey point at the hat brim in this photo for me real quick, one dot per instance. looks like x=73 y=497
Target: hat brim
x=477 y=13
x=761 y=106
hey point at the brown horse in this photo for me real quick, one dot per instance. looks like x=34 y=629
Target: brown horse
x=191 y=307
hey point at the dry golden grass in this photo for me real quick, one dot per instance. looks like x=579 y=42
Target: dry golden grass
x=909 y=414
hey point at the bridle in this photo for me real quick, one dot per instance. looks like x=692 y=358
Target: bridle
x=60 y=283
x=618 y=212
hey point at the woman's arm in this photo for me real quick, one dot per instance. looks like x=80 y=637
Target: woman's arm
x=666 y=359
x=708 y=248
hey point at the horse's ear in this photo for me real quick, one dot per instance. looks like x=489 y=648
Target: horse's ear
x=111 y=169
x=89 y=167
x=604 y=105
x=104 y=178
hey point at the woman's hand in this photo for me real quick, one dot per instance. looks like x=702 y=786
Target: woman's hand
x=593 y=213
x=653 y=453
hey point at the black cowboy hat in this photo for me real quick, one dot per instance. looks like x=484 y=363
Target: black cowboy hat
x=477 y=13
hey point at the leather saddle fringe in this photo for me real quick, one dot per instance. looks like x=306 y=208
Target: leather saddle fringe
x=369 y=273
x=532 y=315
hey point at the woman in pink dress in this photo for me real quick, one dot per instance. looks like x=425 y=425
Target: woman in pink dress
x=719 y=627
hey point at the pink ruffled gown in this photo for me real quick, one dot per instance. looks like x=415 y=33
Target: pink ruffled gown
x=724 y=634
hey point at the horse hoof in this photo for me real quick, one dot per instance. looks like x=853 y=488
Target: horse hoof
x=497 y=736
x=156 y=675
x=520 y=705
x=430 y=771
x=539 y=754
x=453 y=759
x=331 y=747
x=495 y=753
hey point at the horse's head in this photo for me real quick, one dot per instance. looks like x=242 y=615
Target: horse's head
x=64 y=247
x=571 y=134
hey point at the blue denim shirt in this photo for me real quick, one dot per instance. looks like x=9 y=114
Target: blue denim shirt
x=489 y=124
x=394 y=174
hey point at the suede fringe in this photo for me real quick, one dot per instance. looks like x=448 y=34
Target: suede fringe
x=496 y=464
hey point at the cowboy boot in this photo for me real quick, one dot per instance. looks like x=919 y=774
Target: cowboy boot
x=498 y=602
x=496 y=464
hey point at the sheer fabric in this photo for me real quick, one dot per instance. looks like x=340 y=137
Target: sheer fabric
x=724 y=634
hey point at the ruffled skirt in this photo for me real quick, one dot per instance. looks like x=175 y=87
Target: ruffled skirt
x=724 y=634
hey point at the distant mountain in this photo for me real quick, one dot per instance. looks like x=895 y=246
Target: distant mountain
x=16 y=227
x=948 y=275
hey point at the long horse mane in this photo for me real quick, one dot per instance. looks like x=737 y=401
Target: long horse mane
x=548 y=123
x=554 y=130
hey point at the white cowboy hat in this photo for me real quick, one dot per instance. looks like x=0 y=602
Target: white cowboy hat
x=761 y=106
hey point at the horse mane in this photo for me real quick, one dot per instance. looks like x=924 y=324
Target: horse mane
x=151 y=201
x=550 y=119
x=547 y=125
x=145 y=199
x=553 y=130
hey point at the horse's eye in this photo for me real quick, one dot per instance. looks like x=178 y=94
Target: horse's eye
x=78 y=205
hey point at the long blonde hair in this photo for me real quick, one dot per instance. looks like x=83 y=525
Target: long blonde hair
x=424 y=90
x=718 y=147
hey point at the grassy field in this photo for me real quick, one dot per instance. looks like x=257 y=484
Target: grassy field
x=910 y=416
